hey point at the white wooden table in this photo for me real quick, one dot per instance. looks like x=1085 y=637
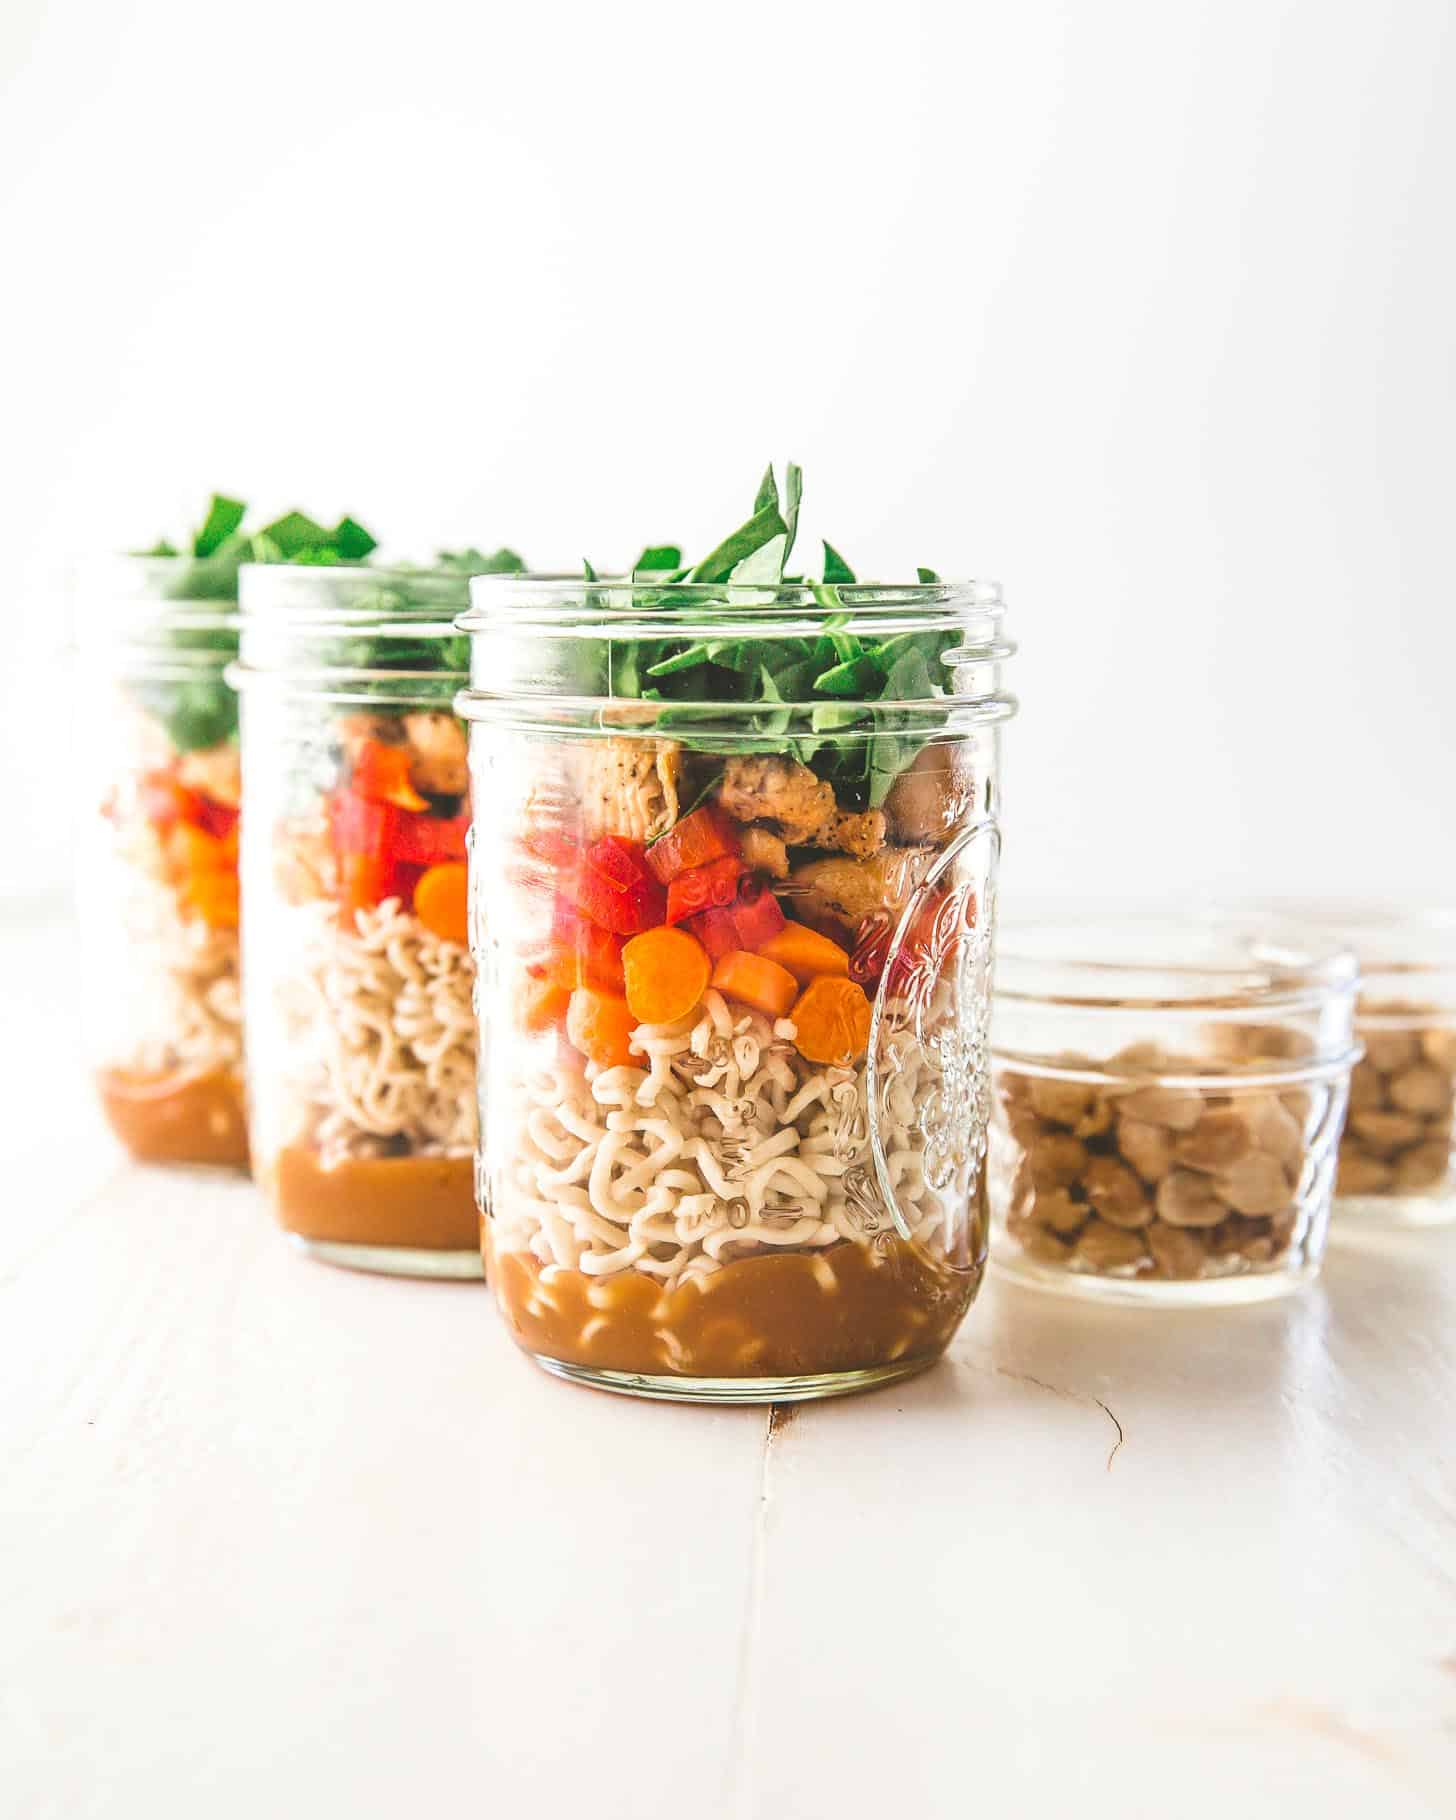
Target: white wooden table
x=281 y=1540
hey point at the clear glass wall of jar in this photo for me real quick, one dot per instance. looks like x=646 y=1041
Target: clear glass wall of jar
x=1398 y=1152
x=158 y=881
x=1167 y=1100
x=734 y=964
x=357 y=966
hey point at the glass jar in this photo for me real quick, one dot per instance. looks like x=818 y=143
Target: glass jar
x=735 y=961
x=1167 y=1099
x=1398 y=1152
x=361 y=1031
x=158 y=883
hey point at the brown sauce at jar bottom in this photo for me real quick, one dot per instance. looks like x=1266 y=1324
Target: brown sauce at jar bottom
x=794 y=1314
x=417 y=1203
x=177 y=1118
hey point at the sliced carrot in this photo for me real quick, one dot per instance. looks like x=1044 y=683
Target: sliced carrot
x=806 y=953
x=214 y=896
x=542 y=1004
x=599 y=1024
x=832 y=1020
x=441 y=899
x=752 y=980
x=667 y=972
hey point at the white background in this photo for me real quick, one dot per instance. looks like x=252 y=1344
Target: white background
x=1146 y=309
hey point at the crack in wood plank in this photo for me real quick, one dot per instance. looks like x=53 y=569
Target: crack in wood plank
x=780 y=1415
x=1056 y=1390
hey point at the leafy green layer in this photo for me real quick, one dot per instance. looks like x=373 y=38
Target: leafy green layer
x=202 y=710
x=848 y=681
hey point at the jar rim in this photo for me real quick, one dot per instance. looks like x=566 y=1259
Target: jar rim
x=1114 y=961
x=1364 y=924
x=331 y=595
x=616 y=605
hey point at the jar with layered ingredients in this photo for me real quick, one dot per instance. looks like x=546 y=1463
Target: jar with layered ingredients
x=734 y=869
x=357 y=964
x=158 y=878
x=158 y=882
x=1167 y=1103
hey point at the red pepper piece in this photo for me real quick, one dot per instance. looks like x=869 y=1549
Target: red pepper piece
x=756 y=913
x=217 y=818
x=382 y=774
x=697 y=840
x=620 y=862
x=713 y=886
x=598 y=889
x=716 y=930
x=360 y=824
x=431 y=840
x=165 y=802
x=599 y=959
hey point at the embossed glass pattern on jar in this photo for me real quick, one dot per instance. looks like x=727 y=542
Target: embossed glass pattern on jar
x=734 y=964
x=1167 y=1101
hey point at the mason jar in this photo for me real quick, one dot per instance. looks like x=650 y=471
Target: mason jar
x=157 y=887
x=1167 y=1102
x=734 y=944
x=361 y=1033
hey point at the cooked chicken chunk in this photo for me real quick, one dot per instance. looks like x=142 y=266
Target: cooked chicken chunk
x=861 y=835
x=797 y=806
x=629 y=787
x=930 y=799
x=779 y=791
x=845 y=891
x=765 y=852
x=437 y=754
x=215 y=773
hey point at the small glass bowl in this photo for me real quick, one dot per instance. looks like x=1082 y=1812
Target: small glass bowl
x=1167 y=1097
x=1397 y=1162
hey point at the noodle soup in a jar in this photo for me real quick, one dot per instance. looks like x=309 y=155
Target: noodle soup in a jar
x=733 y=874
x=359 y=977
x=158 y=885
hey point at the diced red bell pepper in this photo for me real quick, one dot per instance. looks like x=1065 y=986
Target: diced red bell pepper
x=697 y=840
x=431 y=840
x=713 y=886
x=599 y=959
x=756 y=913
x=219 y=819
x=382 y=774
x=165 y=802
x=620 y=862
x=582 y=953
x=361 y=824
x=602 y=890
x=716 y=930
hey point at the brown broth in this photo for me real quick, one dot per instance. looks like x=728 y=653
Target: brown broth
x=177 y=1118
x=846 y=1308
x=417 y=1203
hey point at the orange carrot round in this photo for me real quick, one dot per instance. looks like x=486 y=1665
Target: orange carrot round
x=667 y=974
x=832 y=1020
x=752 y=980
x=805 y=952
x=441 y=902
x=599 y=1024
